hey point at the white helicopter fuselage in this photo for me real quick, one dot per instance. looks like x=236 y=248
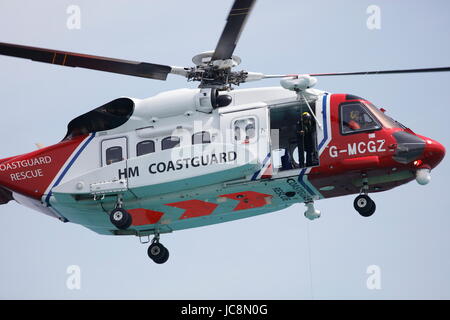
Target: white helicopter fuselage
x=177 y=161
x=200 y=173
x=187 y=175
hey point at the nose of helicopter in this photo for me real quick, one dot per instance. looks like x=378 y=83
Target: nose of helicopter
x=434 y=152
x=420 y=149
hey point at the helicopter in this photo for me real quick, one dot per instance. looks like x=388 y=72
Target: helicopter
x=188 y=158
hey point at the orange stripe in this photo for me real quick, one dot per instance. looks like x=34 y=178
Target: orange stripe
x=240 y=9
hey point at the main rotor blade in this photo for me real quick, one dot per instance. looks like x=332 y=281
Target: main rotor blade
x=70 y=59
x=235 y=24
x=440 y=69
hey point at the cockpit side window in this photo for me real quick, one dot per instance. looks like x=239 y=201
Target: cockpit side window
x=355 y=118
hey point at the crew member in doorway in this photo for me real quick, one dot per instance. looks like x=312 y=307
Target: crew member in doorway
x=308 y=127
x=303 y=132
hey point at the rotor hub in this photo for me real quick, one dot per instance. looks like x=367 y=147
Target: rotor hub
x=215 y=73
x=204 y=60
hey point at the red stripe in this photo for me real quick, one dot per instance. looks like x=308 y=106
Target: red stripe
x=249 y=199
x=31 y=174
x=142 y=217
x=194 y=208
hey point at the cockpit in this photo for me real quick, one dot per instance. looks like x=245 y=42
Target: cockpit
x=294 y=131
x=355 y=117
x=361 y=116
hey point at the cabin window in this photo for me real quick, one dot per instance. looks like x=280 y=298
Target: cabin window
x=145 y=147
x=170 y=142
x=244 y=129
x=114 y=154
x=356 y=118
x=201 y=137
x=237 y=133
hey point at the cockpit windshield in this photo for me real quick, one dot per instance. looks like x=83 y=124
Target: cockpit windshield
x=386 y=121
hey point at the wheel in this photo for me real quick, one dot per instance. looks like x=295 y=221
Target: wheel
x=158 y=253
x=120 y=218
x=371 y=211
x=364 y=205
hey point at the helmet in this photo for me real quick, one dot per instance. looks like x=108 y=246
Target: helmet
x=354 y=115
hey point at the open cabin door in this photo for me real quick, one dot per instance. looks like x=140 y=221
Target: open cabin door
x=247 y=129
x=294 y=132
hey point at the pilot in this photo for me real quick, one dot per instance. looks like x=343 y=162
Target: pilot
x=354 y=122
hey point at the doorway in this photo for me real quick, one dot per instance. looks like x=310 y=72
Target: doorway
x=293 y=136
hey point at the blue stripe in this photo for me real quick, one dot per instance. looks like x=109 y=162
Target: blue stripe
x=324 y=122
x=264 y=163
x=300 y=179
x=68 y=166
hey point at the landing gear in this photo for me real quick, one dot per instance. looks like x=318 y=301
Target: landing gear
x=363 y=204
x=157 y=252
x=119 y=217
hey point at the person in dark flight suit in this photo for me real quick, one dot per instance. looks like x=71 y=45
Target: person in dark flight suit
x=305 y=139
x=308 y=141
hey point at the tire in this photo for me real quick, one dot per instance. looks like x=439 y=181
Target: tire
x=371 y=211
x=364 y=205
x=165 y=257
x=120 y=218
x=158 y=253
